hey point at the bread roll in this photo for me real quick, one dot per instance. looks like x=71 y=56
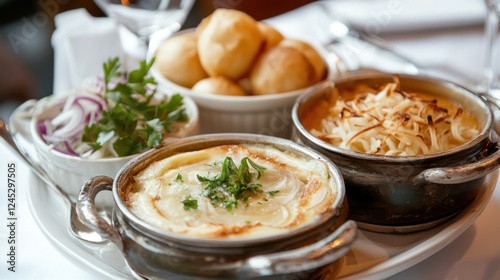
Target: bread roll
x=218 y=85
x=203 y=23
x=270 y=35
x=281 y=69
x=311 y=54
x=177 y=59
x=229 y=43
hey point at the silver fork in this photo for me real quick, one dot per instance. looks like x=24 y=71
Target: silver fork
x=9 y=135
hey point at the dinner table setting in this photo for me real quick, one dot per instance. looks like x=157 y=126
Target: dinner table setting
x=451 y=41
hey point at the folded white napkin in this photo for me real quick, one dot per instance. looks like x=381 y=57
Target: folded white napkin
x=81 y=44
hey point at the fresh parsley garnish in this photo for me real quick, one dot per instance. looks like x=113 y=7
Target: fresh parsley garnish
x=233 y=183
x=273 y=193
x=132 y=117
x=178 y=178
x=190 y=203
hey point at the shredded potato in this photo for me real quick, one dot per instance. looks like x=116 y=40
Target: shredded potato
x=395 y=123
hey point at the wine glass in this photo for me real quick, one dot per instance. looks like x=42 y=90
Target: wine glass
x=491 y=82
x=489 y=87
x=145 y=18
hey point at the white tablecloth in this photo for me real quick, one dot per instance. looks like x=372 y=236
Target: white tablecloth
x=453 y=53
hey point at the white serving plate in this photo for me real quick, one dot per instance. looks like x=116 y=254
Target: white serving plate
x=381 y=255
x=373 y=255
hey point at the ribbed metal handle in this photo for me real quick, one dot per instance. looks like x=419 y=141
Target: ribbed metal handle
x=88 y=213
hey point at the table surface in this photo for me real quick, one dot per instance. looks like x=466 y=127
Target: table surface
x=454 y=54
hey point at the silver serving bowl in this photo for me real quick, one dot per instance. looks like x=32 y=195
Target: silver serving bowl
x=154 y=253
x=407 y=193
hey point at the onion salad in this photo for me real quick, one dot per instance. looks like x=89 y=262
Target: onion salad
x=118 y=115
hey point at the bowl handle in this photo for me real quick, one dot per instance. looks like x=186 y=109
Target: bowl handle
x=87 y=211
x=462 y=173
x=323 y=252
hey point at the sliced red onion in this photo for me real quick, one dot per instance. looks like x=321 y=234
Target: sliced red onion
x=74 y=123
x=61 y=119
x=64 y=131
x=50 y=128
x=69 y=149
x=69 y=102
x=92 y=100
x=52 y=139
x=42 y=128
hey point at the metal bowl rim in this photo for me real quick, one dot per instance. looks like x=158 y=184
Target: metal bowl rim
x=157 y=233
x=481 y=137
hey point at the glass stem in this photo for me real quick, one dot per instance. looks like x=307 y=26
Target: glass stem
x=491 y=31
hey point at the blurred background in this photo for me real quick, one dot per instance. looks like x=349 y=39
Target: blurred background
x=26 y=27
x=26 y=54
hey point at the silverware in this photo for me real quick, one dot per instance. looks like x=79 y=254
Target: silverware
x=9 y=135
x=360 y=51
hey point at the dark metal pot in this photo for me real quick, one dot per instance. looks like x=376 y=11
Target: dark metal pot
x=405 y=194
x=153 y=253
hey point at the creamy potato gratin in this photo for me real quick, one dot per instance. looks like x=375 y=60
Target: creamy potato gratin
x=232 y=192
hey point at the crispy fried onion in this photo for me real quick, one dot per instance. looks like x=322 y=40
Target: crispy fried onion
x=396 y=123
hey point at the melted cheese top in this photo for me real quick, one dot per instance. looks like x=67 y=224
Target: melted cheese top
x=295 y=192
x=391 y=122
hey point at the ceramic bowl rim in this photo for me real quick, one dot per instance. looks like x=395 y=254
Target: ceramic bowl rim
x=48 y=103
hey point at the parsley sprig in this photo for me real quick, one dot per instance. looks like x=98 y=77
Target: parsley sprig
x=190 y=203
x=137 y=123
x=233 y=183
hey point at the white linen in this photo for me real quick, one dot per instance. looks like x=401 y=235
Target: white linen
x=36 y=257
x=387 y=16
